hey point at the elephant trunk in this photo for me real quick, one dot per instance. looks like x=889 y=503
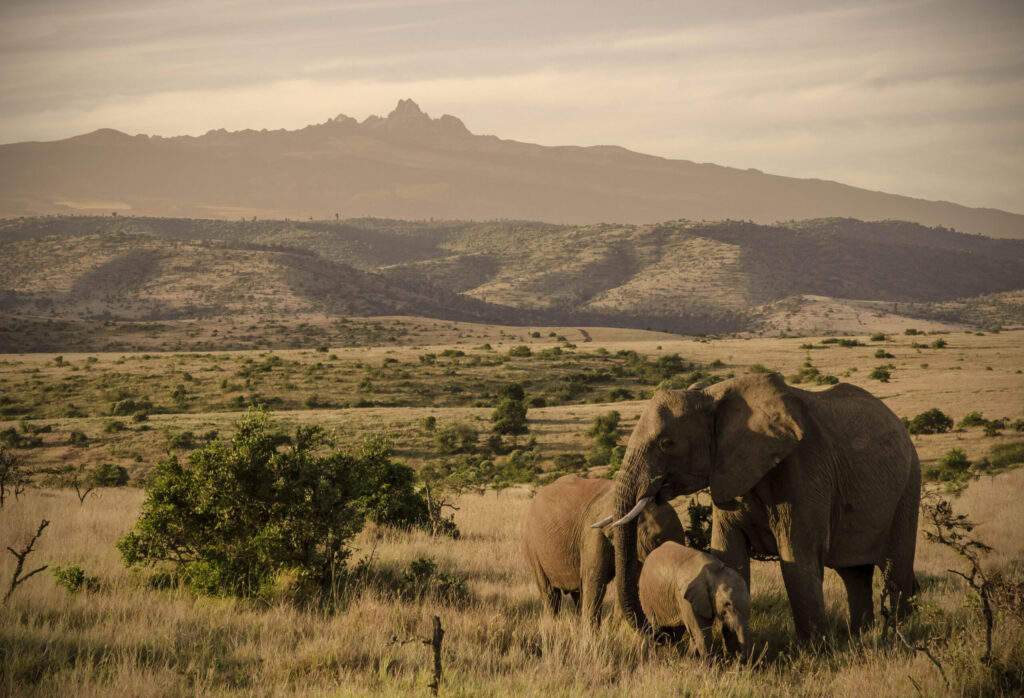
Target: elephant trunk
x=736 y=633
x=627 y=569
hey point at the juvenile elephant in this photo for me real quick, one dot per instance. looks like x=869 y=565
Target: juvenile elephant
x=682 y=587
x=827 y=478
x=570 y=556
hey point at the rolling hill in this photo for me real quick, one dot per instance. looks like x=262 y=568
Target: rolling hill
x=411 y=166
x=683 y=276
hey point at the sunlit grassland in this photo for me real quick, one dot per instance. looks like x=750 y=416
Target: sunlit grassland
x=131 y=639
x=134 y=640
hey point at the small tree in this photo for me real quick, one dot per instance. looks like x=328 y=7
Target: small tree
x=13 y=477
x=241 y=512
x=509 y=417
x=605 y=433
x=932 y=421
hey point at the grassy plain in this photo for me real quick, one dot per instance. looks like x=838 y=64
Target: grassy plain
x=130 y=639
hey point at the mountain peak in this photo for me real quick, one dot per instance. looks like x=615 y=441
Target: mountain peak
x=407 y=109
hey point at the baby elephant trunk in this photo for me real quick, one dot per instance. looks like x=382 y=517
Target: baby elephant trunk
x=736 y=633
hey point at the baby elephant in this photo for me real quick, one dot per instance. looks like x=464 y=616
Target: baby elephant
x=680 y=586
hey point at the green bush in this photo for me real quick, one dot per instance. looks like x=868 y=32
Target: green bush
x=972 y=419
x=520 y=351
x=605 y=433
x=809 y=374
x=1003 y=456
x=883 y=354
x=78 y=438
x=877 y=337
x=953 y=469
x=455 y=438
x=509 y=417
x=73 y=579
x=939 y=343
x=129 y=406
x=932 y=421
x=112 y=426
x=108 y=475
x=242 y=513
x=759 y=368
x=880 y=373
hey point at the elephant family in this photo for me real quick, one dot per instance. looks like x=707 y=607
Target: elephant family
x=569 y=555
x=683 y=589
x=827 y=478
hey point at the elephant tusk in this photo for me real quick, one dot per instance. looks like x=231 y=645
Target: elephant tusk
x=603 y=522
x=634 y=512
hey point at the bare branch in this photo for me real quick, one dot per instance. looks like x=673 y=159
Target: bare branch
x=21 y=556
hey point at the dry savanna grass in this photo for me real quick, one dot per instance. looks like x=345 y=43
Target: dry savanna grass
x=130 y=638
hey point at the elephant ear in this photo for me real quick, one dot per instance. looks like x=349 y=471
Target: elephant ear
x=698 y=594
x=757 y=424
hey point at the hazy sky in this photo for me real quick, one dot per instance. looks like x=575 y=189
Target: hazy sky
x=918 y=97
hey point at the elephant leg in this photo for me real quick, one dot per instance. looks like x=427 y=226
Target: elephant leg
x=700 y=639
x=575 y=600
x=858 y=594
x=803 y=587
x=552 y=600
x=597 y=567
x=729 y=544
x=901 y=545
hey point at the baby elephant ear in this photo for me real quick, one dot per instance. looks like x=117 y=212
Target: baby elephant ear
x=698 y=594
x=757 y=424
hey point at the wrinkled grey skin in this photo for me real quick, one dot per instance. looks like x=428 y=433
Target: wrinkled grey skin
x=827 y=478
x=568 y=556
x=683 y=589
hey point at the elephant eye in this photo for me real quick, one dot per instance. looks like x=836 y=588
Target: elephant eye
x=665 y=443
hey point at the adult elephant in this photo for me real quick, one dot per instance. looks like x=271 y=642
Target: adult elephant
x=819 y=479
x=568 y=555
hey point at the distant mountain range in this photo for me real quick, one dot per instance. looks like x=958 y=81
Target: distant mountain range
x=681 y=276
x=411 y=166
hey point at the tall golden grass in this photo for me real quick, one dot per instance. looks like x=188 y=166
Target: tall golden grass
x=131 y=639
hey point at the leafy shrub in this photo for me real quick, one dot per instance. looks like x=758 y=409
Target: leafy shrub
x=108 y=475
x=455 y=438
x=569 y=462
x=759 y=368
x=877 y=337
x=1003 y=456
x=952 y=466
x=809 y=374
x=243 y=512
x=520 y=351
x=78 y=438
x=180 y=440
x=619 y=394
x=850 y=343
x=70 y=411
x=883 y=354
x=429 y=423
x=911 y=331
x=73 y=579
x=509 y=417
x=424 y=580
x=605 y=433
x=939 y=343
x=880 y=373
x=972 y=419
x=932 y=421
x=112 y=426
x=129 y=406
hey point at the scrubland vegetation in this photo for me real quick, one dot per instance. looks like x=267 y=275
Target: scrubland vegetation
x=86 y=423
